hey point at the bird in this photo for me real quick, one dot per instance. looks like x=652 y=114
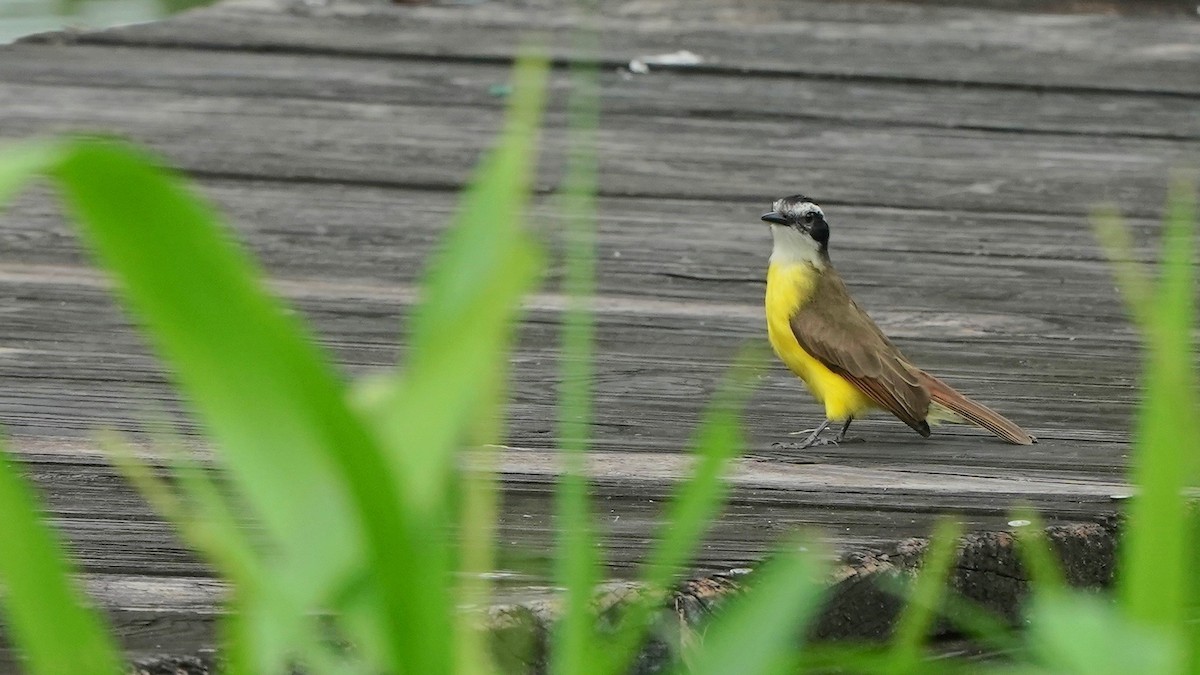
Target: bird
x=822 y=335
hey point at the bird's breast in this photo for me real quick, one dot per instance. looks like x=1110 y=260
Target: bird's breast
x=789 y=287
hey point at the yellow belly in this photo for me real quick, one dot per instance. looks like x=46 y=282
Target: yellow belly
x=788 y=288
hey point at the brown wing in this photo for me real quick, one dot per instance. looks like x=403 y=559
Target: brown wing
x=833 y=328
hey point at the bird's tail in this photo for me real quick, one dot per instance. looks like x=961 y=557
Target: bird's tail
x=978 y=414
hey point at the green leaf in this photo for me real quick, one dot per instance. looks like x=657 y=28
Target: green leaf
x=459 y=339
x=253 y=375
x=914 y=623
x=44 y=612
x=1132 y=278
x=1040 y=561
x=760 y=631
x=204 y=517
x=980 y=624
x=279 y=414
x=578 y=562
x=1155 y=585
x=22 y=162
x=1076 y=632
x=460 y=331
x=694 y=504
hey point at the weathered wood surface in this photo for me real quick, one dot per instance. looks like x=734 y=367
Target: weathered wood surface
x=957 y=151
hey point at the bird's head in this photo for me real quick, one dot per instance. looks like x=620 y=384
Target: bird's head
x=800 y=231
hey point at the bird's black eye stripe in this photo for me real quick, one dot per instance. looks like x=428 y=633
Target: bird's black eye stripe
x=808 y=217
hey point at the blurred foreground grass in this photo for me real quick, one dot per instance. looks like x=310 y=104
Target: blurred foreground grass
x=368 y=531
x=26 y=17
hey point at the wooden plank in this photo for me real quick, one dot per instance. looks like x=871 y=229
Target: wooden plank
x=1066 y=415
x=709 y=95
x=150 y=615
x=1069 y=418
x=147 y=593
x=1072 y=422
x=670 y=157
x=93 y=371
x=74 y=484
x=699 y=248
x=988 y=572
x=643 y=351
x=1053 y=407
x=67 y=344
x=655 y=252
x=955 y=165
x=700 y=286
x=195 y=596
x=872 y=507
x=947 y=315
x=903 y=310
x=828 y=40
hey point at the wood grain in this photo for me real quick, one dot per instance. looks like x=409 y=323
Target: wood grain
x=958 y=153
x=668 y=92
x=768 y=500
x=879 y=40
x=646 y=156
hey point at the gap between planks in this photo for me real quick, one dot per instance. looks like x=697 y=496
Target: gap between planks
x=956 y=47
x=439 y=83
x=648 y=156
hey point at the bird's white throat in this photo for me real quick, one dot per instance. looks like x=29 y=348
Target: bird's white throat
x=793 y=247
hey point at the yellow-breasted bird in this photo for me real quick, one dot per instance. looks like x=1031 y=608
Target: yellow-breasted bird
x=826 y=339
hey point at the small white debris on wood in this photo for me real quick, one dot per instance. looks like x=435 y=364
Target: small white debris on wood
x=683 y=57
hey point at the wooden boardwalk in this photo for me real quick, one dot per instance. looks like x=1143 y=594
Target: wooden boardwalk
x=957 y=153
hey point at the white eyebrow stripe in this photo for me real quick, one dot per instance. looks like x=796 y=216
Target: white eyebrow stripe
x=797 y=210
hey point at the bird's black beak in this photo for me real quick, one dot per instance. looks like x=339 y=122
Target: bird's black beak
x=774 y=217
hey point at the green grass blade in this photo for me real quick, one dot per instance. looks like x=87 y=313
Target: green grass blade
x=459 y=340
x=917 y=618
x=477 y=529
x=696 y=502
x=1041 y=564
x=578 y=561
x=982 y=625
x=1154 y=584
x=21 y=162
x=477 y=532
x=197 y=508
x=44 y=612
x=256 y=380
x=967 y=616
x=1085 y=633
x=869 y=658
x=203 y=516
x=699 y=499
x=470 y=297
x=760 y=632
x=1132 y=277
x=271 y=401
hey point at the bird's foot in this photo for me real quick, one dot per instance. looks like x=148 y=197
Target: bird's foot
x=818 y=442
x=803 y=432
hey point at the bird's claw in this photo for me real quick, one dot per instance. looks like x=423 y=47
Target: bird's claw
x=803 y=432
x=817 y=442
